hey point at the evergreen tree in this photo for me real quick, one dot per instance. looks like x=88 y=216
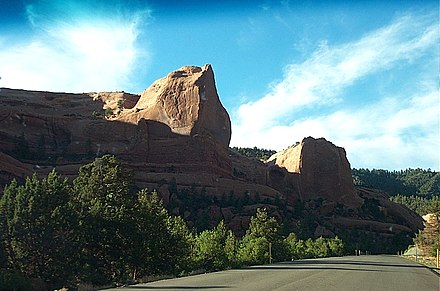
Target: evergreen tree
x=3 y=260
x=105 y=209
x=163 y=243
x=291 y=241
x=419 y=182
x=261 y=225
x=310 y=251
x=263 y=234
x=254 y=251
x=336 y=246
x=262 y=154
x=214 y=249
x=418 y=204
x=321 y=248
x=180 y=244
x=231 y=249
x=38 y=228
x=125 y=236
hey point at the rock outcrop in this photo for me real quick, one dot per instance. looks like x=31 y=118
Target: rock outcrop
x=186 y=100
x=179 y=131
x=323 y=171
x=174 y=137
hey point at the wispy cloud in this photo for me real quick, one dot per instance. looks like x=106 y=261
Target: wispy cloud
x=73 y=46
x=391 y=133
x=384 y=134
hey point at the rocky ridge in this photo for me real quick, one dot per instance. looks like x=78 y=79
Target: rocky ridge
x=174 y=137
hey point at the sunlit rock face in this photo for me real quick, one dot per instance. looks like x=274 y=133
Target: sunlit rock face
x=178 y=122
x=323 y=168
x=186 y=100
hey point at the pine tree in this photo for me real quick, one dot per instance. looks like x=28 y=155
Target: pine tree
x=38 y=226
x=105 y=209
x=214 y=249
x=263 y=234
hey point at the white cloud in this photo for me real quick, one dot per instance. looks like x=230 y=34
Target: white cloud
x=71 y=51
x=386 y=134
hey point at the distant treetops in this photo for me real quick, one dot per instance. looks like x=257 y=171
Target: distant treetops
x=262 y=154
x=417 y=189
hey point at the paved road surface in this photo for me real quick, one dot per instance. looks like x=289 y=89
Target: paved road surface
x=345 y=273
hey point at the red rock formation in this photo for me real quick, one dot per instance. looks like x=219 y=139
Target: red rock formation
x=184 y=131
x=323 y=168
x=186 y=100
x=12 y=169
x=175 y=137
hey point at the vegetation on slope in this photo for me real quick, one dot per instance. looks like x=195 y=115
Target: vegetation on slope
x=409 y=182
x=428 y=239
x=262 y=154
x=417 y=189
x=98 y=230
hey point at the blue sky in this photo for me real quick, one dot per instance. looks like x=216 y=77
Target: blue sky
x=362 y=74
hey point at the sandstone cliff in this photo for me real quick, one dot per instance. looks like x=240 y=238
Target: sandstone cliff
x=323 y=168
x=174 y=137
x=186 y=100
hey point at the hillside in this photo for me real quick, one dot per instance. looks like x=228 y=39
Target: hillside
x=409 y=182
x=417 y=189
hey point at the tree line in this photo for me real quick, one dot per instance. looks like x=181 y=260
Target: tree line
x=417 y=182
x=418 y=189
x=262 y=154
x=420 y=205
x=99 y=229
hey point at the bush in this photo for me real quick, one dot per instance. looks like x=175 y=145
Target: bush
x=211 y=249
x=254 y=251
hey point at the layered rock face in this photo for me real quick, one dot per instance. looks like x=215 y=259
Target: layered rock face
x=174 y=137
x=184 y=131
x=323 y=168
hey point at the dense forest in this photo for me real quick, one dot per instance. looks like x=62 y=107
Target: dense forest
x=409 y=182
x=417 y=189
x=100 y=230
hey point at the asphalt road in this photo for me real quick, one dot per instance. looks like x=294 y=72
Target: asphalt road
x=345 y=273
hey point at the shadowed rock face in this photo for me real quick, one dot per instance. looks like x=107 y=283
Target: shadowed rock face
x=174 y=137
